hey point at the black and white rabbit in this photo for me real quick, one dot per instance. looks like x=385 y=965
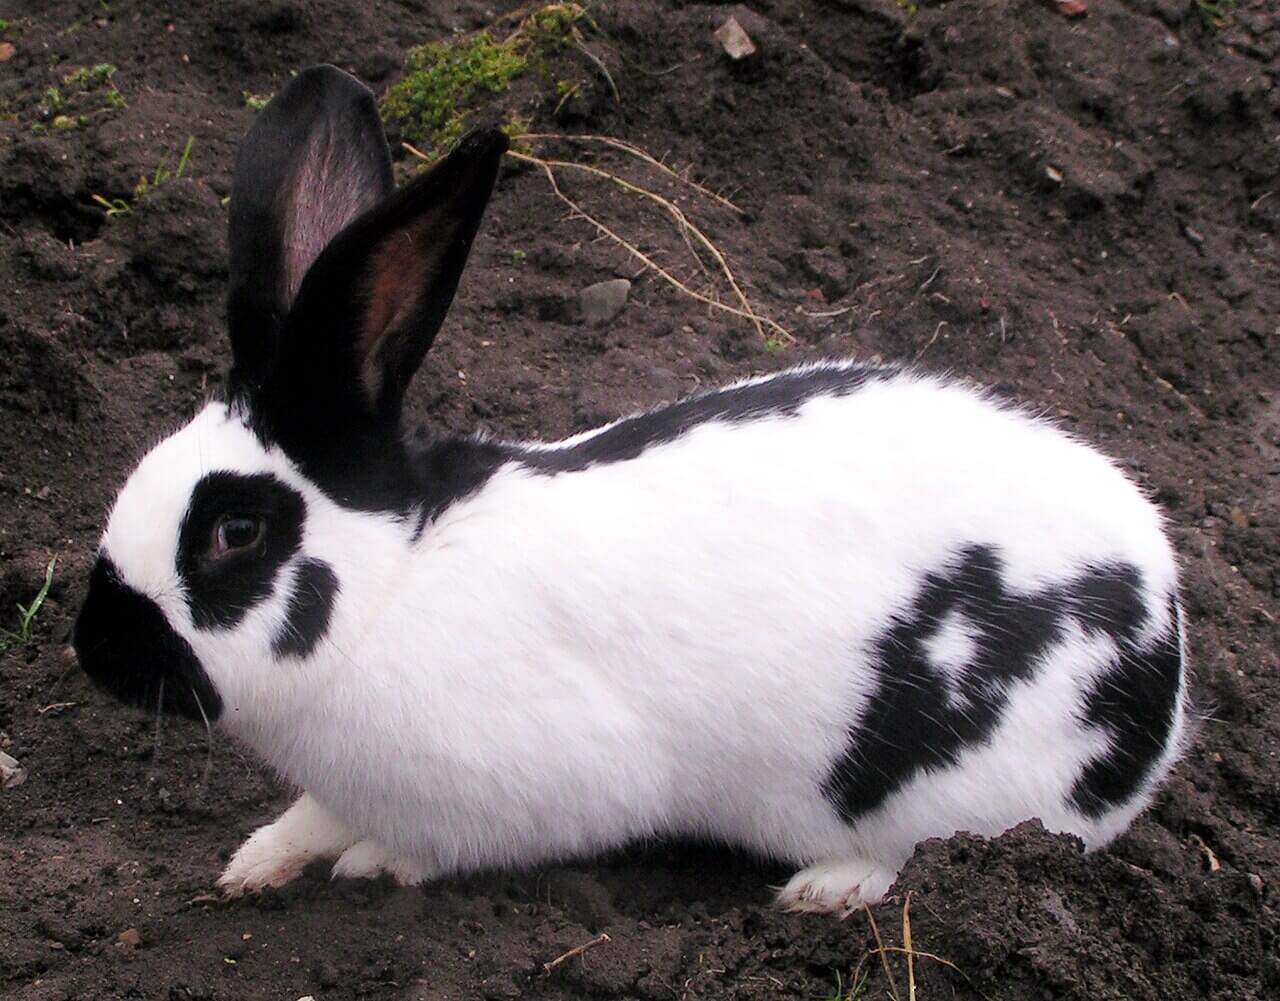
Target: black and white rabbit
x=820 y=615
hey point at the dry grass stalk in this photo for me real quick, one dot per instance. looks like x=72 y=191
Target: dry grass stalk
x=907 y=949
x=689 y=232
x=633 y=150
x=683 y=225
x=577 y=950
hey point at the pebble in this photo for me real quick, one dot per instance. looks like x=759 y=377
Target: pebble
x=601 y=302
x=734 y=39
x=12 y=774
x=129 y=939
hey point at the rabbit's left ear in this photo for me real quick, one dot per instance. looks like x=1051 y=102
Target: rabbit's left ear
x=315 y=160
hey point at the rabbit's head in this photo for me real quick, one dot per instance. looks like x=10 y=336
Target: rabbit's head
x=237 y=540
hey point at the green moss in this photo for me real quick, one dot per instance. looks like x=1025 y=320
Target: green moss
x=89 y=77
x=445 y=80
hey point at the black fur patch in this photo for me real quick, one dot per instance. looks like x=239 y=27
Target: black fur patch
x=125 y=644
x=221 y=591
x=920 y=719
x=450 y=469
x=434 y=472
x=781 y=395
x=1135 y=704
x=310 y=606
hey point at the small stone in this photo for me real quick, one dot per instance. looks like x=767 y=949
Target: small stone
x=601 y=302
x=1071 y=8
x=734 y=39
x=12 y=774
x=6 y=51
x=129 y=939
x=1054 y=174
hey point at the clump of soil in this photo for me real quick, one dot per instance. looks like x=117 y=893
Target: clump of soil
x=1081 y=213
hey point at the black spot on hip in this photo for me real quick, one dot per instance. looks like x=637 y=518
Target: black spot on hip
x=920 y=718
x=1135 y=703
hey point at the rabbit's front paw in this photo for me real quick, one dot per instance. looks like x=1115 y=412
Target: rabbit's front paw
x=839 y=886
x=262 y=861
x=275 y=854
x=367 y=859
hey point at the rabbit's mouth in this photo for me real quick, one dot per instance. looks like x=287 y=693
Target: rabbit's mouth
x=127 y=647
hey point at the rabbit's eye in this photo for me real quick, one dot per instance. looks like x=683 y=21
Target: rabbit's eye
x=235 y=532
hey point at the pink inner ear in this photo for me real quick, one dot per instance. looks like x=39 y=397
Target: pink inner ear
x=398 y=274
x=326 y=192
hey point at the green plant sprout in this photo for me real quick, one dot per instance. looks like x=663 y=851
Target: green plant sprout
x=163 y=174
x=255 y=102
x=856 y=991
x=113 y=206
x=27 y=614
x=1216 y=14
x=88 y=77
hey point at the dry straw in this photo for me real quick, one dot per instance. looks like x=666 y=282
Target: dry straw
x=693 y=236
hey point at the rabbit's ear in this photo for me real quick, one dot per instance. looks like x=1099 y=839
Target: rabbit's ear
x=372 y=303
x=315 y=159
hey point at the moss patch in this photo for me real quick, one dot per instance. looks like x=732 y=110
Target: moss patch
x=444 y=82
x=447 y=81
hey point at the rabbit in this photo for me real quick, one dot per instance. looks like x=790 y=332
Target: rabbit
x=818 y=615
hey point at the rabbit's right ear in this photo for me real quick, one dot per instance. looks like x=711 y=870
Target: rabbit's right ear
x=315 y=159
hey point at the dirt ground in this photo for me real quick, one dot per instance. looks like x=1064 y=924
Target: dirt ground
x=1083 y=214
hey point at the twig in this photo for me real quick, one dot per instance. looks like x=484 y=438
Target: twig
x=746 y=312
x=681 y=220
x=633 y=150
x=883 y=953
x=55 y=707
x=686 y=228
x=576 y=951
x=599 y=64
x=929 y=281
x=906 y=945
x=936 y=331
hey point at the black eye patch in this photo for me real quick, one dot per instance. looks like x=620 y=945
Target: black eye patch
x=220 y=592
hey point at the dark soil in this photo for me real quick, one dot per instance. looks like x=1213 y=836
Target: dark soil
x=1082 y=214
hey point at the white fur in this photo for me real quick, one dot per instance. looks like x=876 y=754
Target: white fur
x=673 y=644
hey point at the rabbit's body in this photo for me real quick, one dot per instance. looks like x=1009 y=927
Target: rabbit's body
x=821 y=615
